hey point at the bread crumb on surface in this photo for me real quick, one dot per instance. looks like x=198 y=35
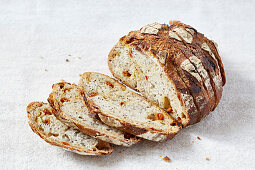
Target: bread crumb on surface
x=207 y=158
x=67 y=60
x=69 y=54
x=45 y=70
x=166 y=159
x=79 y=57
x=41 y=57
x=198 y=138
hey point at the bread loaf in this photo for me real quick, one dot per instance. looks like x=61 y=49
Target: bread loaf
x=49 y=128
x=169 y=67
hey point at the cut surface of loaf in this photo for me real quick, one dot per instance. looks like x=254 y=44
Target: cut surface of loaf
x=118 y=106
x=147 y=61
x=69 y=104
x=144 y=73
x=49 y=128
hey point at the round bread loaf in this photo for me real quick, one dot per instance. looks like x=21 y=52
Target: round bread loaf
x=172 y=65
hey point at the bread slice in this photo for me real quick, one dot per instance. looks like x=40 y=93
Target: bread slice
x=43 y=122
x=119 y=107
x=68 y=102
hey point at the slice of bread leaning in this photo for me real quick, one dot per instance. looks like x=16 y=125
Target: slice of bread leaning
x=43 y=122
x=70 y=107
x=119 y=107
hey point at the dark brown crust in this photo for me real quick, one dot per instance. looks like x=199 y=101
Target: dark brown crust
x=215 y=52
x=220 y=72
x=181 y=88
x=208 y=61
x=193 y=49
x=36 y=130
x=94 y=133
x=210 y=66
x=126 y=127
x=195 y=84
x=196 y=88
x=201 y=38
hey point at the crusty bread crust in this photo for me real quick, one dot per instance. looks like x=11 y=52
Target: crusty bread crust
x=150 y=134
x=211 y=60
x=200 y=38
x=108 y=149
x=82 y=126
x=195 y=86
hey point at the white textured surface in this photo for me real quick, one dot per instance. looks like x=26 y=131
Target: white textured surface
x=54 y=29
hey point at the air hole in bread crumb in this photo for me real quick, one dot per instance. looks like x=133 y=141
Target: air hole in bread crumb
x=126 y=73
